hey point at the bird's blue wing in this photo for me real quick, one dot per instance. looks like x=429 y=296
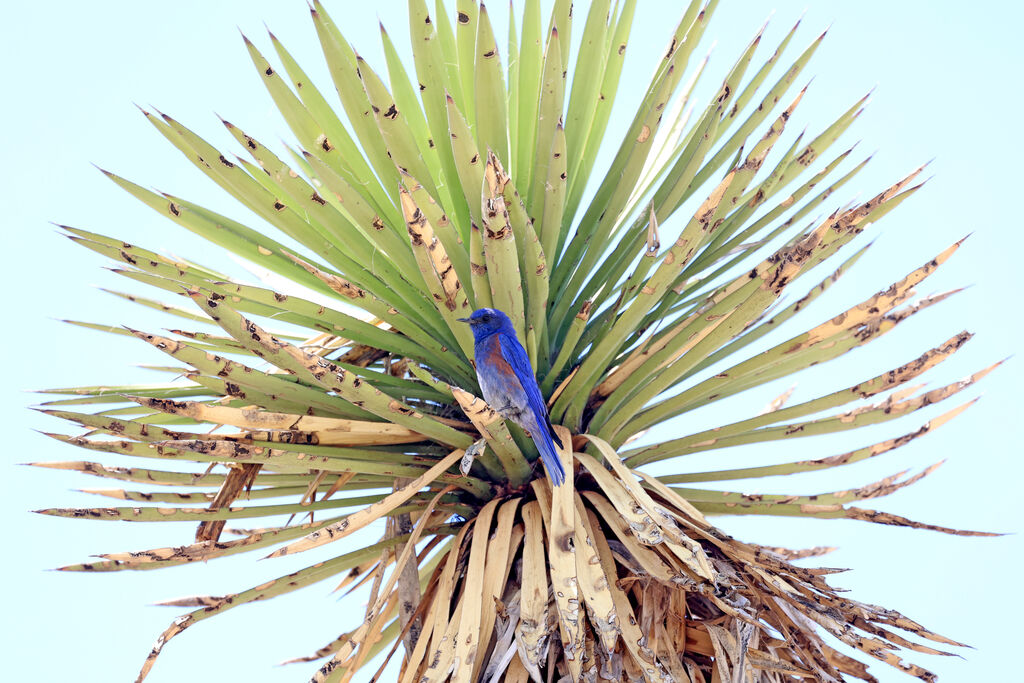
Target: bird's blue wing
x=543 y=435
x=515 y=355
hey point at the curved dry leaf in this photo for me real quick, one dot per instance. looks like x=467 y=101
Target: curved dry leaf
x=361 y=518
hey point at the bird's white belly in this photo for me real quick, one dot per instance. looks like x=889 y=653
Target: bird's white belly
x=503 y=399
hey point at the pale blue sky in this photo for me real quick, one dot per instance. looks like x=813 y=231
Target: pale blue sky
x=945 y=77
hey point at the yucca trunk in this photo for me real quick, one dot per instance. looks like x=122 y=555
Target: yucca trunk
x=639 y=295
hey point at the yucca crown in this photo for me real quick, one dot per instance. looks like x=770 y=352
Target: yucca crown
x=639 y=291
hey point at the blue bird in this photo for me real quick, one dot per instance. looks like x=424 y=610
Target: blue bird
x=509 y=385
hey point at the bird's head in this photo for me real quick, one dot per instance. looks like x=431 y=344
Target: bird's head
x=487 y=321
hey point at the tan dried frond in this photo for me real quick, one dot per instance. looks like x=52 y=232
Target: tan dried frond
x=612 y=577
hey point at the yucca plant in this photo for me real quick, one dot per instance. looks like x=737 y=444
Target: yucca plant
x=470 y=182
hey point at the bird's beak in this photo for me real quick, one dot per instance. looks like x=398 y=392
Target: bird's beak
x=465 y=320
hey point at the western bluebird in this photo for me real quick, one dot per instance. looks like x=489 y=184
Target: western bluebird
x=509 y=385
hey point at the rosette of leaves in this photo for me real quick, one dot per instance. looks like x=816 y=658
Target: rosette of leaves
x=466 y=181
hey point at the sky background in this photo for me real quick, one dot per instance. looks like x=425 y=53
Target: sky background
x=944 y=77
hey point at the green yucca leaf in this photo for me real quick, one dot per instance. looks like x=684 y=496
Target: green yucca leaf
x=229 y=234
x=586 y=81
x=348 y=202
x=107 y=328
x=759 y=114
x=616 y=51
x=865 y=389
x=158 y=558
x=599 y=220
x=174 y=450
x=512 y=105
x=549 y=116
x=216 y=343
x=750 y=89
x=780 y=316
x=469 y=163
x=829 y=425
x=697 y=231
x=627 y=249
x=554 y=196
x=135 y=474
x=210 y=443
x=162 y=273
x=748 y=203
x=158 y=305
x=180 y=498
x=338 y=146
x=449 y=53
x=431 y=70
x=341 y=60
x=743 y=502
x=738 y=309
x=489 y=86
x=408 y=103
x=273 y=482
x=335 y=218
x=571 y=338
x=245 y=377
x=833 y=511
x=528 y=89
x=450 y=238
x=561 y=19
x=95 y=240
x=824 y=140
x=497 y=436
x=736 y=242
x=277 y=420
x=466 y=19
x=152 y=514
x=501 y=250
x=317 y=317
x=142 y=413
x=400 y=144
x=115 y=394
x=299 y=119
x=319 y=371
x=775 y=365
x=435 y=266
x=532 y=260
x=677 y=180
x=262 y=393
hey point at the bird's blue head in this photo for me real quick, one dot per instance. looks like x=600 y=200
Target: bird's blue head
x=486 y=321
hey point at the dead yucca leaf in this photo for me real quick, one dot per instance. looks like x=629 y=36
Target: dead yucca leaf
x=661 y=619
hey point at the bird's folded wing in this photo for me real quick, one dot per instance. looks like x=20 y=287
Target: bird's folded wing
x=515 y=356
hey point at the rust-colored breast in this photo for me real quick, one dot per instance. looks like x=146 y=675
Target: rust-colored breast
x=494 y=359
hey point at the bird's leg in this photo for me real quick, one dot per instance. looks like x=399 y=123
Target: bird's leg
x=533 y=467
x=508 y=410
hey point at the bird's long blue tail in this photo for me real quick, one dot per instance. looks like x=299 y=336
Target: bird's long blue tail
x=549 y=453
